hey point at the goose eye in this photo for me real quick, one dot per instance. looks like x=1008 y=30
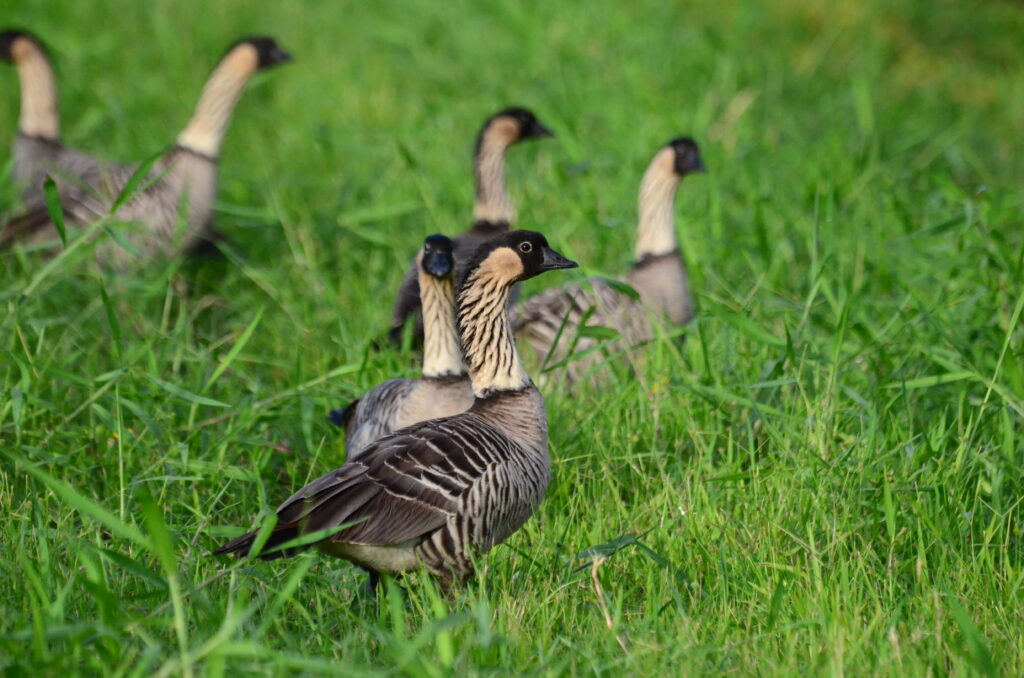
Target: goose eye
x=526 y=247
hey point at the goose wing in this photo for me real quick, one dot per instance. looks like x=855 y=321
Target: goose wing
x=24 y=226
x=85 y=196
x=410 y=484
x=407 y=487
x=607 y=297
x=88 y=196
x=373 y=416
x=551 y=307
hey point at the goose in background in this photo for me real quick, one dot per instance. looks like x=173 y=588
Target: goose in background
x=439 y=493
x=444 y=388
x=658 y=276
x=493 y=213
x=37 y=144
x=186 y=176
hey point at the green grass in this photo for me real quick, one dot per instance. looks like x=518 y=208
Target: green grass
x=825 y=480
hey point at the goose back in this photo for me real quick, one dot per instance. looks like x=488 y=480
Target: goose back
x=550 y=323
x=179 y=180
x=398 y=403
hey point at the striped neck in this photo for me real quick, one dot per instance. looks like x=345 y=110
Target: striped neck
x=656 y=228
x=492 y=200
x=39 y=116
x=209 y=123
x=487 y=341
x=442 y=354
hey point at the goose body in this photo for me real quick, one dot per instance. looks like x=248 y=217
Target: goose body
x=444 y=388
x=185 y=177
x=440 y=492
x=658 y=276
x=493 y=213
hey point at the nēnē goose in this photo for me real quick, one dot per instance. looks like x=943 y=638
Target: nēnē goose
x=37 y=143
x=444 y=388
x=185 y=176
x=658 y=276
x=493 y=213
x=439 y=492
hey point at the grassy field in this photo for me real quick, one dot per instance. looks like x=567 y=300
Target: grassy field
x=825 y=480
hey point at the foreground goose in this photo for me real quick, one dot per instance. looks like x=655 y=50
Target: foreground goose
x=439 y=492
x=493 y=213
x=444 y=388
x=658 y=276
x=185 y=176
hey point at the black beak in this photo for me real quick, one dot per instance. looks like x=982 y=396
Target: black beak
x=438 y=264
x=278 y=56
x=695 y=165
x=538 y=130
x=553 y=261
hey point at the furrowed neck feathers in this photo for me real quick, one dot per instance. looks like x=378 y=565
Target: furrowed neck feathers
x=484 y=327
x=209 y=123
x=442 y=354
x=39 y=117
x=492 y=201
x=656 y=232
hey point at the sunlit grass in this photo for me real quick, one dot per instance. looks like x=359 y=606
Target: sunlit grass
x=824 y=479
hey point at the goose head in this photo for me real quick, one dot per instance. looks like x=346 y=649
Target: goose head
x=15 y=43
x=512 y=125
x=437 y=256
x=516 y=256
x=266 y=50
x=686 y=156
x=527 y=124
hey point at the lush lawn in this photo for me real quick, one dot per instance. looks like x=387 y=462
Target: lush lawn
x=826 y=478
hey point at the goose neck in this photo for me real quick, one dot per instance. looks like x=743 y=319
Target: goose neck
x=39 y=116
x=442 y=354
x=209 y=122
x=492 y=200
x=487 y=340
x=656 y=232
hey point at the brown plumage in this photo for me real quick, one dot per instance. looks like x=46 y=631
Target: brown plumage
x=493 y=213
x=444 y=387
x=440 y=492
x=186 y=176
x=658 y=277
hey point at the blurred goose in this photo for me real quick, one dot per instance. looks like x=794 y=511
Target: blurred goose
x=493 y=213
x=37 y=144
x=440 y=492
x=658 y=276
x=444 y=388
x=186 y=174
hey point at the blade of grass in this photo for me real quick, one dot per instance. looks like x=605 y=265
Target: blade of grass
x=235 y=350
x=53 y=207
x=181 y=393
x=81 y=503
